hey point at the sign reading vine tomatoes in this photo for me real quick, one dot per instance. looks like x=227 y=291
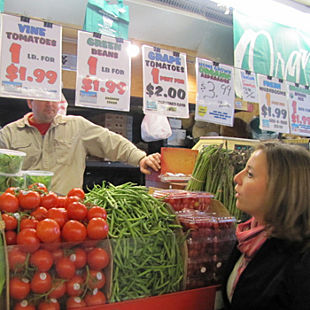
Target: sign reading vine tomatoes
x=103 y=72
x=30 y=58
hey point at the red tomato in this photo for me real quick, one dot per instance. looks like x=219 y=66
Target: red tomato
x=8 y=202
x=58 y=289
x=41 y=282
x=24 y=305
x=95 y=298
x=28 y=240
x=75 y=286
x=42 y=259
x=49 y=305
x=79 y=258
x=75 y=302
x=76 y=211
x=29 y=199
x=61 y=201
x=12 y=190
x=60 y=215
x=10 y=221
x=10 y=237
x=74 y=231
x=76 y=192
x=28 y=223
x=58 y=253
x=48 y=230
x=39 y=213
x=39 y=187
x=98 y=259
x=71 y=199
x=97 y=228
x=65 y=268
x=17 y=258
x=50 y=200
x=19 y=288
x=96 y=279
x=96 y=211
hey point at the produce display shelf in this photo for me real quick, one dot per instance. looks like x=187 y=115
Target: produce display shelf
x=196 y=299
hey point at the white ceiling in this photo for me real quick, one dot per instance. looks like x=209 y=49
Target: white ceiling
x=150 y=21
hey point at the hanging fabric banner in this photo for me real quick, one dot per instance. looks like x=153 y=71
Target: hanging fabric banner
x=271 y=49
x=30 y=58
x=103 y=72
x=299 y=109
x=215 y=93
x=164 y=82
x=273 y=108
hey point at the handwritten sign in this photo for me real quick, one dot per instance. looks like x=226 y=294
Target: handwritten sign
x=215 y=93
x=30 y=58
x=164 y=82
x=103 y=72
x=273 y=111
x=299 y=109
x=249 y=89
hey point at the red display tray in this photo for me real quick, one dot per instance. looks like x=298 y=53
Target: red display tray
x=199 y=299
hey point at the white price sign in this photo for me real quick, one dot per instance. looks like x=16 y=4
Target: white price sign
x=273 y=110
x=164 y=82
x=103 y=72
x=215 y=93
x=249 y=89
x=299 y=109
x=30 y=58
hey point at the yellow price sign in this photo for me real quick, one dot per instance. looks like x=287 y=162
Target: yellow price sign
x=202 y=110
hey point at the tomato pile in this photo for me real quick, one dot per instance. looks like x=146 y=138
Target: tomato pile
x=210 y=241
x=57 y=249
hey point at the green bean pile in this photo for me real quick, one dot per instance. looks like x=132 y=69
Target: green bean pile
x=147 y=255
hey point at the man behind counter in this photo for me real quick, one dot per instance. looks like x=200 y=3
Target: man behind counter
x=60 y=144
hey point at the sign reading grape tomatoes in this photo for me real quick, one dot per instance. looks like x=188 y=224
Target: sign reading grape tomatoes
x=31 y=58
x=103 y=72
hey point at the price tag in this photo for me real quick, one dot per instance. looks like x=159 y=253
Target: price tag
x=215 y=93
x=103 y=72
x=164 y=82
x=30 y=58
x=299 y=109
x=273 y=110
x=249 y=89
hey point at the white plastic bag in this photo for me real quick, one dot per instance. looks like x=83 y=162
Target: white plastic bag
x=155 y=127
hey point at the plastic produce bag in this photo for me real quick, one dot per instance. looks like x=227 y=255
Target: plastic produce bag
x=107 y=18
x=155 y=127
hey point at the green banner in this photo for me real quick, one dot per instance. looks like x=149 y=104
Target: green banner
x=271 y=49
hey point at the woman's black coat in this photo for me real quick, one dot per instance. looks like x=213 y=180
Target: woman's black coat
x=277 y=278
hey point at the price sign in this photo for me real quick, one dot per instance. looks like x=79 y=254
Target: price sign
x=249 y=89
x=103 y=72
x=30 y=58
x=164 y=82
x=215 y=93
x=273 y=110
x=299 y=109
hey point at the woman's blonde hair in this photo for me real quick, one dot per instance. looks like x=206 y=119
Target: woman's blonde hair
x=287 y=213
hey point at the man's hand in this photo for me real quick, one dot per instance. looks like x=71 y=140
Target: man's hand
x=150 y=161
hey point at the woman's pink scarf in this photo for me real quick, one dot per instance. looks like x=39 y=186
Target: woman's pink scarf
x=251 y=237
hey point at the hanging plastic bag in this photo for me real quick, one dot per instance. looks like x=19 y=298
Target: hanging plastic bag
x=107 y=18
x=155 y=127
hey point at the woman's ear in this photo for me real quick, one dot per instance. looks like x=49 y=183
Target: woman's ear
x=29 y=103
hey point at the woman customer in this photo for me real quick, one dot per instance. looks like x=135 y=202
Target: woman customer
x=270 y=265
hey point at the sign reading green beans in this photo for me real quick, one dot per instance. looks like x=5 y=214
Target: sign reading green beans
x=146 y=246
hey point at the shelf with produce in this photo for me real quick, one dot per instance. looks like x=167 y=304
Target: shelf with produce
x=147 y=248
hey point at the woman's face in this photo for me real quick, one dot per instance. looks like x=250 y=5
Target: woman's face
x=251 y=186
